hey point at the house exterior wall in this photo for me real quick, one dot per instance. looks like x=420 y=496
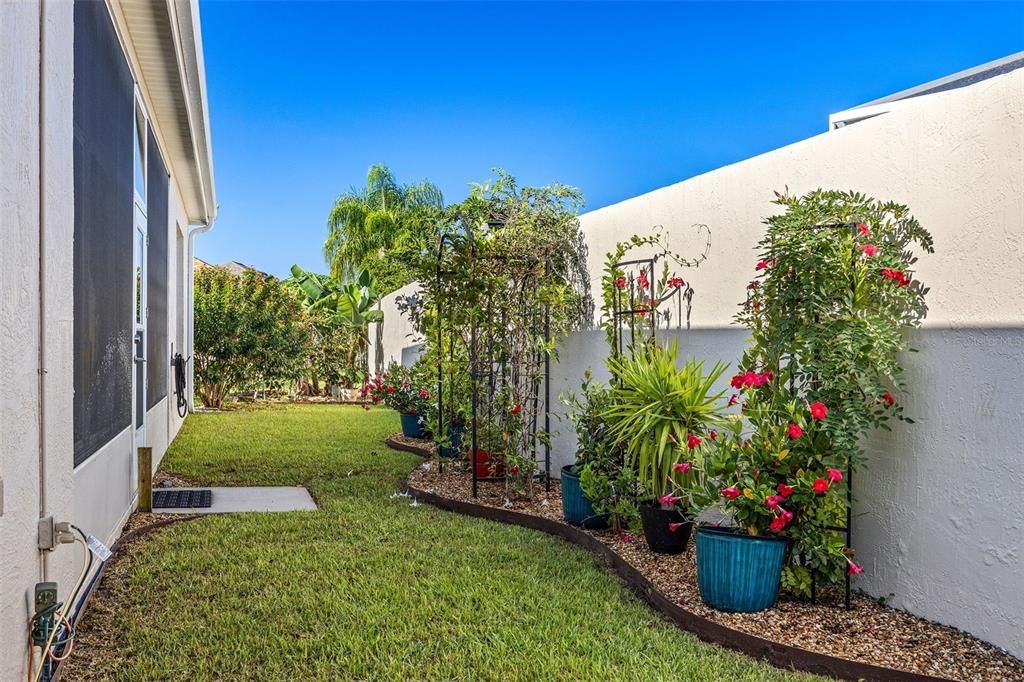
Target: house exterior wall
x=37 y=474
x=938 y=509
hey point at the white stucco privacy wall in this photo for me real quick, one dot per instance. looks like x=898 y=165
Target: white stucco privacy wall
x=939 y=510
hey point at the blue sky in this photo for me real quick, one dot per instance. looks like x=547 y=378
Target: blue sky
x=615 y=98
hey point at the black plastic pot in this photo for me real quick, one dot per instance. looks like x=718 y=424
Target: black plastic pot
x=660 y=538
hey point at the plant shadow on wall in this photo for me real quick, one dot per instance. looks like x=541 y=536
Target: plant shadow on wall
x=832 y=296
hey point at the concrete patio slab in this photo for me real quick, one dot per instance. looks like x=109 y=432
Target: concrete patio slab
x=250 y=499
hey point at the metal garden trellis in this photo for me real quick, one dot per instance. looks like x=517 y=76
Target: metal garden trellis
x=492 y=367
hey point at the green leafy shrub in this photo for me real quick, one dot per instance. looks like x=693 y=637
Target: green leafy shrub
x=248 y=331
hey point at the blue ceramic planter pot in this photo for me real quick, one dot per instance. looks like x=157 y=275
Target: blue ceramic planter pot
x=411 y=426
x=576 y=508
x=736 y=571
x=455 y=438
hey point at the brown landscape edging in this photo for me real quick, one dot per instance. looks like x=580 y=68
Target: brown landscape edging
x=407 y=447
x=780 y=655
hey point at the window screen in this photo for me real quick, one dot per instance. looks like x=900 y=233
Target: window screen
x=104 y=119
x=157 y=226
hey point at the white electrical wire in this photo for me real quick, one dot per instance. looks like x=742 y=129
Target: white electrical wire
x=63 y=613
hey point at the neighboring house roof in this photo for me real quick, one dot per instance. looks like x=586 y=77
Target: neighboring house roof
x=236 y=268
x=233 y=266
x=166 y=52
x=961 y=79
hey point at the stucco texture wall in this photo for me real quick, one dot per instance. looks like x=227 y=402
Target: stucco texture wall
x=939 y=509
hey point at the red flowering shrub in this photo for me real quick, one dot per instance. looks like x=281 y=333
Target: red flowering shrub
x=399 y=390
x=832 y=295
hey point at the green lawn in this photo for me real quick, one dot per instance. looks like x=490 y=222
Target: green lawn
x=369 y=587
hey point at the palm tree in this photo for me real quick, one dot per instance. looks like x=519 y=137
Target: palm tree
x=371 y=228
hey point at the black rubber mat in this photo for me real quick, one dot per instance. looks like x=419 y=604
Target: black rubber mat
x=182 y=499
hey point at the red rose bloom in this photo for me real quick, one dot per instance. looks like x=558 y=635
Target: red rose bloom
x=889 y=399
x=818 y=411
x=795 y=431
x=820 y=486
x=732 y=492
x=785 y=490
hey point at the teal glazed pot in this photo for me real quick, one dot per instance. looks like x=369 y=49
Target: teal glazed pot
x=738 y=572
x=576 y=508
x=411 y=426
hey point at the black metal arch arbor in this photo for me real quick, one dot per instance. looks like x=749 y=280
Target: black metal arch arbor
x=493 y=341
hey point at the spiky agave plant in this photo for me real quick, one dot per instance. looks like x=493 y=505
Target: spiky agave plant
x=662 y=413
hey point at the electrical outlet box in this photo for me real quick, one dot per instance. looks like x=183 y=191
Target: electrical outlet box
x=47 y=534
x=45 y=596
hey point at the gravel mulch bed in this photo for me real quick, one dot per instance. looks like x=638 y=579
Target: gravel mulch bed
x=869 y=632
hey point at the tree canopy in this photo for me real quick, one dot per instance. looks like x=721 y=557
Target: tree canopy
x=380 y=228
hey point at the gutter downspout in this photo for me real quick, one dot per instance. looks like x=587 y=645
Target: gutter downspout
x=190 y=324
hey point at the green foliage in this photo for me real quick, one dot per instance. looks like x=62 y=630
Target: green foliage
x=658 y=411
x=606 y=476
x=336 y=316
x=248 y=332
x=381 y=228
x=613 y=276
x=513 y=263
x=833 y=294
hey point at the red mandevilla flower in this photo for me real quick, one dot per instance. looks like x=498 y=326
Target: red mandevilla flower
x=692 y=441
x=736 y=381
x=868 y=249
x=854 y=569
x=517 y=408
x=820 y=486
x=889 y=399
x=732 y=492
x=834 y=475
x=620 y=282
x=863 y=230
x=641 y=279
x=424 y=393
x=773 y=501
x=391 y=389
x=668 y=500
x=795 y=431
x=754 y=285
x=673 y=527
x=761 y=265
x=733 y=399
x=785 y=490
x=897 y=276
x=676 y=282
x=681 y=467
x=625 y=537
x=818 y=411
x=713 y=435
